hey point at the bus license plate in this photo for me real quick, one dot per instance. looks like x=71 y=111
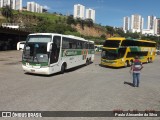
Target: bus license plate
x=32 y=70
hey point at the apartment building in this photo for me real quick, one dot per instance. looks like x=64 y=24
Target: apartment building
x=126 y=24
x=90 y=14
x=150 y=22
x=79 y=11
x=136 y=23
x=14 y=4
x=157 y=26
x=34 y=7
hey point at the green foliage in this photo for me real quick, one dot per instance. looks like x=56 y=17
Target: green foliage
x=72 y=33
x=132 y=35
x=54 y=27
x=70 y=20
x=120 y=32
x=103 y=36
x=110 y=30
x=7 y=12
x=89 y=22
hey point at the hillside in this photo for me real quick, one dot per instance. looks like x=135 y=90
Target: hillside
x=47 y=22
x=94 y=31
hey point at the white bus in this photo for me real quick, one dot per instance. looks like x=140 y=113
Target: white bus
x=48 y=53
x=98 y=48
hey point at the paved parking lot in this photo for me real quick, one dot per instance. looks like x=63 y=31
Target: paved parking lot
x=88 y=88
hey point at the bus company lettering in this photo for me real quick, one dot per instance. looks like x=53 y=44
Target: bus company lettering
x=145 y=49
x=69 y=53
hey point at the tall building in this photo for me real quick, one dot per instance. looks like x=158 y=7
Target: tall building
x=90 y=14
x=15 y=4
x=79 y=11
x=126 y=24
x=5 y=3
x=34 y=7
x=136 y=23
x=157 y=26
x=1 y=3
x=150 y=22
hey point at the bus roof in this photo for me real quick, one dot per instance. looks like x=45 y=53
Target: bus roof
x=123 y=38
x=116 y=38
x=69 y=36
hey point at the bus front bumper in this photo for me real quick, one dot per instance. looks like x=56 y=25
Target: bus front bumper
x=112 y=63
x=44 y=71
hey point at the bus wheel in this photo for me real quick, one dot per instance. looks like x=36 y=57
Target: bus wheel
x=90 y=61
x=87 y=62
x=126 y=64
x=63 y=67
x=130 y=63
x=150 y=60
x=147 y=60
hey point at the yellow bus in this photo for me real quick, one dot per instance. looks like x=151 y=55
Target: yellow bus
x=120 y=52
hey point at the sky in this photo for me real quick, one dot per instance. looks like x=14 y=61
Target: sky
x=108 y=12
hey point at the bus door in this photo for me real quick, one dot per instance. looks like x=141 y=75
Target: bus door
x=55 y=52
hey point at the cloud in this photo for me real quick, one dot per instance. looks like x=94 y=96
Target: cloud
x=46 y=7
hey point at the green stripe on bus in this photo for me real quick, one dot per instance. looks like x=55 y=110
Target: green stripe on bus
x=76 y=52
x=35 y=64
x=135 y=49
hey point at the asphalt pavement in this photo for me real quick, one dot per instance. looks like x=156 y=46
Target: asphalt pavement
x=85 y=88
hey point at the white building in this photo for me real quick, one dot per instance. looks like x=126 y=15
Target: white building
x=15 y=4
x=90 y=14
x=136 y=23
x=126 y=24
x=150 y=22
x=157 y=26
x=79 y=11
x=34 y=7
x=148 y=32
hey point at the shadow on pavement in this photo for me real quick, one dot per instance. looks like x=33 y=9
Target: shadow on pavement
x=110 y=67
x=58 y=73
x=128 y=83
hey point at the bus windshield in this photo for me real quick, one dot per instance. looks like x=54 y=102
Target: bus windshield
x=36 y=49
x=112 y=43
x=113 y=54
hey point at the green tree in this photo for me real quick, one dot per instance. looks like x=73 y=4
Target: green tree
x=7 y=12
x=110 y=30
x=70 y=20
x=120 y=32
x=89 y=22
x=132 y=35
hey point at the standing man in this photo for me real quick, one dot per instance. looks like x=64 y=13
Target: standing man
x=136 y=68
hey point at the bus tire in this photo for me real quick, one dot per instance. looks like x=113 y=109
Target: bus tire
x=147 y=60
x=63 y=67
x=130 y=63
x=150 y=60
x=87 y=62
x=90 y=61
x=126 y=64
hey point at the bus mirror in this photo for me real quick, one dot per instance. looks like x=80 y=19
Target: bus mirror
x=49 y=46
x=20 y=45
